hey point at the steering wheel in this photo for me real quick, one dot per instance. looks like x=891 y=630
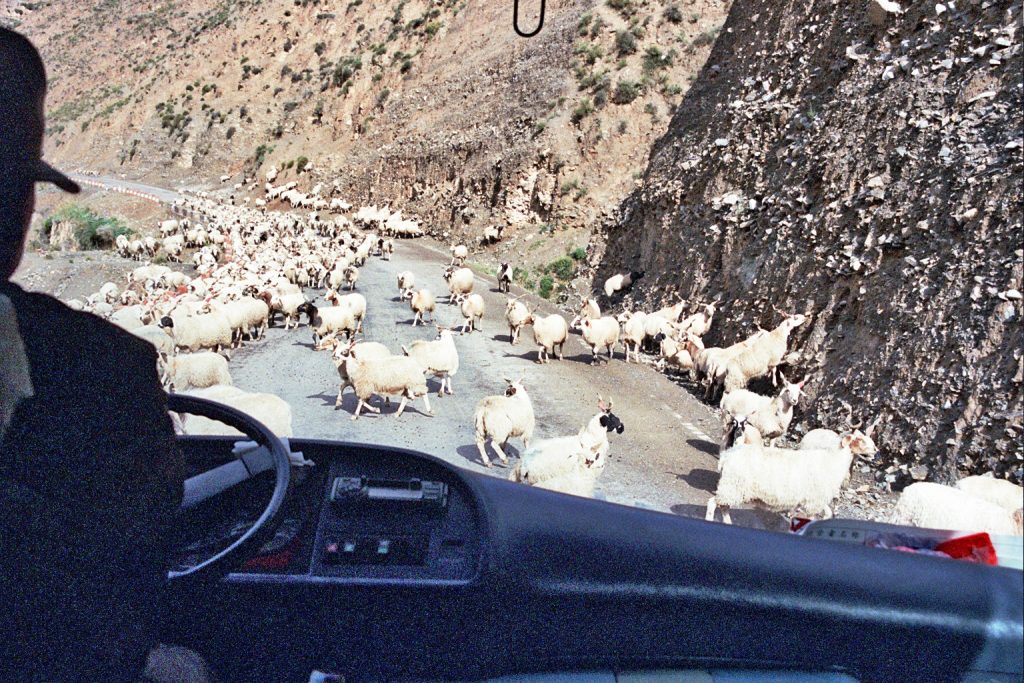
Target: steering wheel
x=269 y=454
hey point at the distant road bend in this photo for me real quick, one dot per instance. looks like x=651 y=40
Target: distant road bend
x=665 y=459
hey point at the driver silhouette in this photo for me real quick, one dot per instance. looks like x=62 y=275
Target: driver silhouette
x=90 y=476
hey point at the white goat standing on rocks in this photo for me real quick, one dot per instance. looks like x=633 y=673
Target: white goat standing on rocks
x=761 y=358
x=770 y=416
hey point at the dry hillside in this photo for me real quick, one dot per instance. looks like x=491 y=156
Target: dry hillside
x=864 y=167
x=434 y=106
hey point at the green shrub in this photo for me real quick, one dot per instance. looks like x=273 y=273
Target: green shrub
x=585 y=109
x=589 y=52
x=91 y=230
x=584 y=23
x=655 y=59
x=300 y=163
x=673 y=14
x=625 y=43
x=547 y=284
x=623 y=7
x=578 y=254
x=562 y=268
x=345 y=69
x=626 y=92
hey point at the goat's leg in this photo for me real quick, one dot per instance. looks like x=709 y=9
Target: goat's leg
x=401 y=406
x=483 y=453
x=726 y=517
x=709 y=515
x=497 y=449
x=426 y=403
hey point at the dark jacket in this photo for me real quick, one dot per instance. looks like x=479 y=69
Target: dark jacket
x=90 y=477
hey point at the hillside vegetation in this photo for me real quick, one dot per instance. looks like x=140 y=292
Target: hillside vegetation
x=433 y=106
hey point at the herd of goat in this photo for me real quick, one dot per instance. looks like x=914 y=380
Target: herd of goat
x=254 y=266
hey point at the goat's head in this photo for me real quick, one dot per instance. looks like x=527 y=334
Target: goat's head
x=612 y=423
x=740 y=431
x=515 y=387
x=794 y=321
x=791 y=393
x=167 y=322
x=609 y=420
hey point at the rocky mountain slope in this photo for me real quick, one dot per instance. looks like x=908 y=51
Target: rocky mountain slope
x=434 y=106
x=861 y=163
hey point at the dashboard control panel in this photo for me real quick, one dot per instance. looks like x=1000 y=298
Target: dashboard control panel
x=386 y=518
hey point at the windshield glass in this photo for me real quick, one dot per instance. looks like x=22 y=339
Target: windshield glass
x=716 y=268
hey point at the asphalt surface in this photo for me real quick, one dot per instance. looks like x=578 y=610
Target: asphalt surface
x=665 y=460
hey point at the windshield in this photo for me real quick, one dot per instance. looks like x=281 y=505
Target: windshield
x=719 y=271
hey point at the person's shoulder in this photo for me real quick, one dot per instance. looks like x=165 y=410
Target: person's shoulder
x=43 y=317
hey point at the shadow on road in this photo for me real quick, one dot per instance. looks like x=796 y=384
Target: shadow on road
x=310 y=345
x=752 y=519
x=705 y=480
x=472 y=454
x=328 y=398
x=504 y=338
x=703 y=446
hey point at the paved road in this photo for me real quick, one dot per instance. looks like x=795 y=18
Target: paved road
x=126 y=186
x=664 y=460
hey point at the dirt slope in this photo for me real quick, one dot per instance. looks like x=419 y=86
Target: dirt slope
x=863 y=167
x=436 y=107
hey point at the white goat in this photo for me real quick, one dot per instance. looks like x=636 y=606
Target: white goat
x=548 y=332
x=935 y=506
x=440 y=357
x=621 y=282
x=395 y=375
x=775 y=478
x=762 y=357
x=571 y=464
x=473 y=311
x=517 y=315
x=769 y=416
x=502 y=417
x=600 y=333
x=422 y=302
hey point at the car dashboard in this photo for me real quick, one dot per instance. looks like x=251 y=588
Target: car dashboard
x=394 y=565
x=358 y=514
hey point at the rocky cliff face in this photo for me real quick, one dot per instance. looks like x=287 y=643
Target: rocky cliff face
x=861 y=163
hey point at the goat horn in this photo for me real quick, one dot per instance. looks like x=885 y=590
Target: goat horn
x=872 y=425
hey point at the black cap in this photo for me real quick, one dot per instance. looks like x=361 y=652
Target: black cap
x=22 y=91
